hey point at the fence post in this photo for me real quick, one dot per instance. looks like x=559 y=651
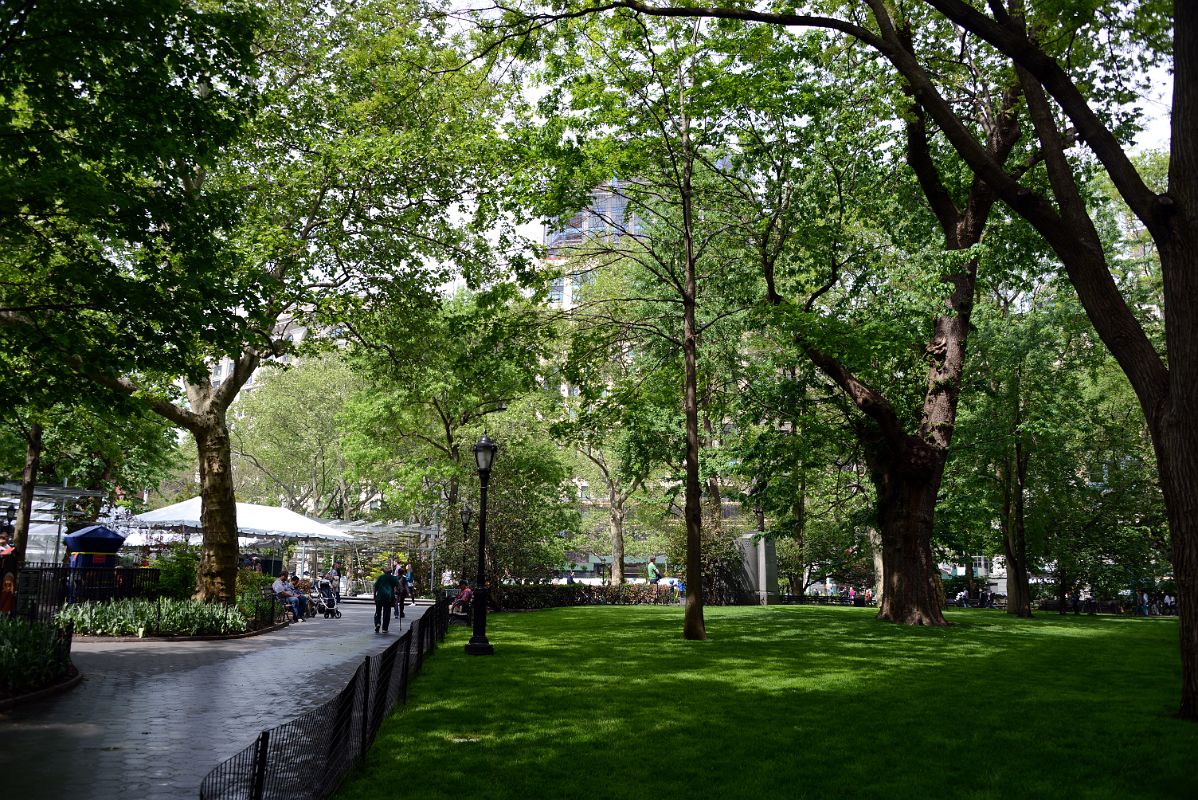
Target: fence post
x=259 y=784
x=365 y=707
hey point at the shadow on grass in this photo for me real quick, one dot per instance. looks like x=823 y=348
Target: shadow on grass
x=796 y=702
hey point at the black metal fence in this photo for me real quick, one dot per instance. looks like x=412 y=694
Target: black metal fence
x=288 y=763
x=822 y=600
x=44 y=588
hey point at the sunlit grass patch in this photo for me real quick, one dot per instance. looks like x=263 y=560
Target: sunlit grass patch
x=793 y=702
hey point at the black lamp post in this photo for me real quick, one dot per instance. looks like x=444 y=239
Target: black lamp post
x=467 y=512
x=484 y=454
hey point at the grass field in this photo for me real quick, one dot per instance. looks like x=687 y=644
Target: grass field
x=792 y=702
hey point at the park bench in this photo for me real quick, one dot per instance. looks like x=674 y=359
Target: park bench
x=269 y=595
x=460 y=616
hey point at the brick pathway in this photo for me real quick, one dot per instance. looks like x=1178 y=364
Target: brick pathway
x=151 y=719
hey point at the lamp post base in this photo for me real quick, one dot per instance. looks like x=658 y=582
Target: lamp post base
x=479 y=647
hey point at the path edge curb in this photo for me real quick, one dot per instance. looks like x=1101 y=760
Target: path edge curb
x=49 y=691
x=84 y=639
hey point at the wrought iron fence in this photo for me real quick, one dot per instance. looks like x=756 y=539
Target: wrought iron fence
x=289 y=762
x=43 y=588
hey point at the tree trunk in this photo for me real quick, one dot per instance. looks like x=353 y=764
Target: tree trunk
x=1177 y=457
x=33 y=457
x=912 y=593
x=693 y=626
x=615 y=521
x=1019 y=592
x=216 y=575
x=1062 y=591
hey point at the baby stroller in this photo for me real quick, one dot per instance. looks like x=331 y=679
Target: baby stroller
x=326 y=602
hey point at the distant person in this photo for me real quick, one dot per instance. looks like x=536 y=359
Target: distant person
x=570 y=577
x=8 y=592
x=1075 y=599
x=385 y=589
x=652 y=571
x=291 y=596
x=1143 y=602
x=402 y=593
x=333 y=576
x=256 y=564
x=461 y=603
x=410 y=579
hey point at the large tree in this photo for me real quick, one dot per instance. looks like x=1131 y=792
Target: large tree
x=357 y=177
x=1075 y=70
x=114 y=256
x=287 y=438
x=435 y=372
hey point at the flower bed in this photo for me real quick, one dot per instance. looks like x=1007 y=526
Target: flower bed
x=161 y=617
x=32 y=656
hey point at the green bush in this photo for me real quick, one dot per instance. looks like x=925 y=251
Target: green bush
x=161 y=617
x=177 y=571
x=249 y=580
x=578 y=594
x=32 y=656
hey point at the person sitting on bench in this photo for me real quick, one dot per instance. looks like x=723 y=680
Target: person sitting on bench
x=291 y=596
x=461 y=603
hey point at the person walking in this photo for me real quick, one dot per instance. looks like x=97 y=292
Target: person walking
x=385 y=587
x=333 y=576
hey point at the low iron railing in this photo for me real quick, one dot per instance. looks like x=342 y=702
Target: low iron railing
x=44 y=588
x=288 y=763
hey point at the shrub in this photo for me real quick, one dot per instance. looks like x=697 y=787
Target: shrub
x=32 y=656
x=578 y=594
x=162 y=617
x=177 y=571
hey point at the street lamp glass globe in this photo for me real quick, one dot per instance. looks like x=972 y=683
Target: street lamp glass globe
x=484 y=454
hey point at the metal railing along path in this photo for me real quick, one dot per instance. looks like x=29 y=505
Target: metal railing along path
x=308 y=757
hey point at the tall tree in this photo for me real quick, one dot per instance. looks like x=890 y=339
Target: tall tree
x=287 y=438
x=114 y=256
x=435 y=373
x=1075 y=71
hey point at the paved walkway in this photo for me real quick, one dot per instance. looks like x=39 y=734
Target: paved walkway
x=151 y=719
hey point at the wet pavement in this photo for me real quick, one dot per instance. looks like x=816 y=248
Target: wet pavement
x=151 y=719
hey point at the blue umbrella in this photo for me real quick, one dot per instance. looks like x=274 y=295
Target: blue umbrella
x=94 y=539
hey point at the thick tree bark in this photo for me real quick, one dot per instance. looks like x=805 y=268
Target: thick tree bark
x=216 y=575
x=906 y=485
x=1176 y=440
x=33 y=457
x=615 y=521
x=1019 y=593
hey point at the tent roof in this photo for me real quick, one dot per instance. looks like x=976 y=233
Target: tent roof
x=55 y=493
x=251 y=518
x=94 y=538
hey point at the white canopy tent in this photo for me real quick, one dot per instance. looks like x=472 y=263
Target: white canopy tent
x=256 y=520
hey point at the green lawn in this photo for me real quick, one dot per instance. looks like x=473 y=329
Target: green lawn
x=792 y=702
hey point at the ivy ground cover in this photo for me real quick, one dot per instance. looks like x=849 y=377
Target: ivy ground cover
x=792 y=702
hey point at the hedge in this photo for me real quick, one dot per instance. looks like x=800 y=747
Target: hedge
x=521 y=597
x=32 y=655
